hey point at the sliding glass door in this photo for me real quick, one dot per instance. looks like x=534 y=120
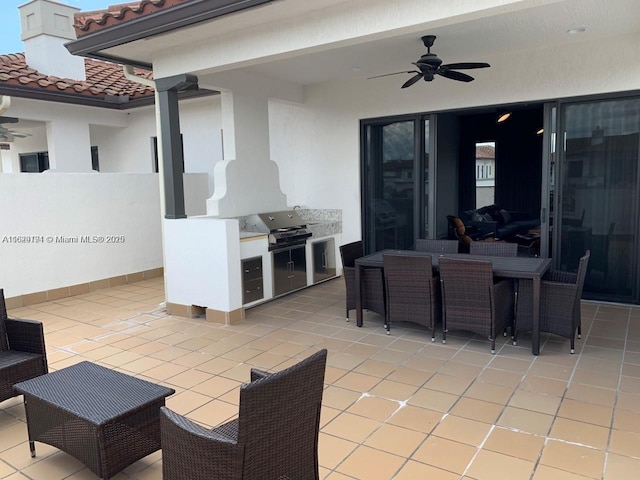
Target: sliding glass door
x=598 y=204
x=394 y=182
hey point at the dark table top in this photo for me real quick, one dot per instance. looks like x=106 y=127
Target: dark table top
x=510 y=267
x=92 y=392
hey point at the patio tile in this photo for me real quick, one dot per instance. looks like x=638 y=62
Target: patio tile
x=445 y=454
x=374 y=408
x=396 y=440
x=580 y=433
x=573 y=458
x=621 y=467
x=351 y=427
x=359 y=464
x=412 y=408
x=526 y=420
x=479 y=410
x=513 y=443
x=415 y=470
x=489 y=465
x=462 y=430
x=416 y=418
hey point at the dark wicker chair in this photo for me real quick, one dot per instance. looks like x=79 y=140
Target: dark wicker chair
x=22 y=351
x=413 y=292
x=472 y=300
x=560 y=294
x=274 y=437
x=373 y=297
x=436 y=246
x=494 y=249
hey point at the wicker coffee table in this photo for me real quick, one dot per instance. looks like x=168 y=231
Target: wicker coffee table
x=104 y=418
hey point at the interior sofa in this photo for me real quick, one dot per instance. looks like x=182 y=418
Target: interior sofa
x=504 y=224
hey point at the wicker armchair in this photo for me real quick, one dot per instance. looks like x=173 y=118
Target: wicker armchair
x=413 y=292
x=22 y=351
x=373 y=297
x=436 y=246
x=494 y=249
x=560 y=294
x=472 y=301
x=274 y=437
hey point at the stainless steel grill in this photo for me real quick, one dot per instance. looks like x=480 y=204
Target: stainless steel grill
x=285 y=228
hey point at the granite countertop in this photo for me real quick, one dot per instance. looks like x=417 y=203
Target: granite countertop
x=251 y=235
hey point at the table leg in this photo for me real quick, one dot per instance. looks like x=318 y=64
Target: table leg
x=32 y=448
x=535 y=334
x=358 y=296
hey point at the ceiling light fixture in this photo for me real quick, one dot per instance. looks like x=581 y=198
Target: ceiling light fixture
x=503 y=116
x=540 y=132
x=576 y=30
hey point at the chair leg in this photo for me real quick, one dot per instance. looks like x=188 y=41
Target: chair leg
x=493 y=345
x=514 y=334
x=579 y=331
x=573 y=346
x=347 y=314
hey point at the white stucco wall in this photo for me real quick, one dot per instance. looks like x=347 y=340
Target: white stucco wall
x=203 y=268
x=70 y=205
x=129 y=148
x=316 y=144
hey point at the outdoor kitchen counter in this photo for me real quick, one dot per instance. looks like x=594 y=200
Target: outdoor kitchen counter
x=247 y=236
x=324 y=228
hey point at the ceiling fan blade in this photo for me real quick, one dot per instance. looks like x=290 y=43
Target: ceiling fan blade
x=461 y=77
x=412 y=80
x=465 y=65
x=395 y=73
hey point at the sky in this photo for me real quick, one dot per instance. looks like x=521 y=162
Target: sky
x=10 y=26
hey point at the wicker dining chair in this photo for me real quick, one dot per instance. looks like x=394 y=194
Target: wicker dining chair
x=436 y=246
x=413 y=291
x=22 y=351
x=494 y=249
x=274 y=437
x=472 y=300
x=373 y=295
x=560 y=294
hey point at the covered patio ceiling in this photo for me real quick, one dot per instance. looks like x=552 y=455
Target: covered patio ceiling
x=358 y=53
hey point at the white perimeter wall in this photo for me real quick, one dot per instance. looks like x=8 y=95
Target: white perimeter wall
x=70 y=205
x=129 y=149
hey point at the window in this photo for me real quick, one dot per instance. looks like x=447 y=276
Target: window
x=34 y=162
x=485 y=175
x=95 y=164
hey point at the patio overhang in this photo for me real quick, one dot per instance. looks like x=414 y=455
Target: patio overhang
x=92 y=45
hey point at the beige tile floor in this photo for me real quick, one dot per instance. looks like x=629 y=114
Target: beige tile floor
x=395 y=407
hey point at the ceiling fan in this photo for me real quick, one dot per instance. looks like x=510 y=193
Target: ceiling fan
x=7 y=135
x=430 y=65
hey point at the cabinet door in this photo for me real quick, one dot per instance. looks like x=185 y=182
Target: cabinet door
x=324 y=264
x=298 y=267
x=281 y=280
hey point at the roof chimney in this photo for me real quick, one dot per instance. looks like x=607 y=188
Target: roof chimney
x=46 y=26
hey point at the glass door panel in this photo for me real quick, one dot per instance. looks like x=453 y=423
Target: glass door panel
x=390 y=180
x=598 y=208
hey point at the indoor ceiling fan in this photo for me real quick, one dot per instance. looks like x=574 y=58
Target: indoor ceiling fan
x=430 y=65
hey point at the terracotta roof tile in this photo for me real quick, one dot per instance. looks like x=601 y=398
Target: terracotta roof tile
x=485 y=151
x=89 y=22
x=103 y=78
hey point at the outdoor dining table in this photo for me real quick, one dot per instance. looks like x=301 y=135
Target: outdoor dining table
x=507 y=267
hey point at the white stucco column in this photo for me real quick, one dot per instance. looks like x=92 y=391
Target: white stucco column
x=247 y=180
x=69 y=145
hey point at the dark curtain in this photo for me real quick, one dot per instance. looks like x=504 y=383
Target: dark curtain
x=519 y=162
